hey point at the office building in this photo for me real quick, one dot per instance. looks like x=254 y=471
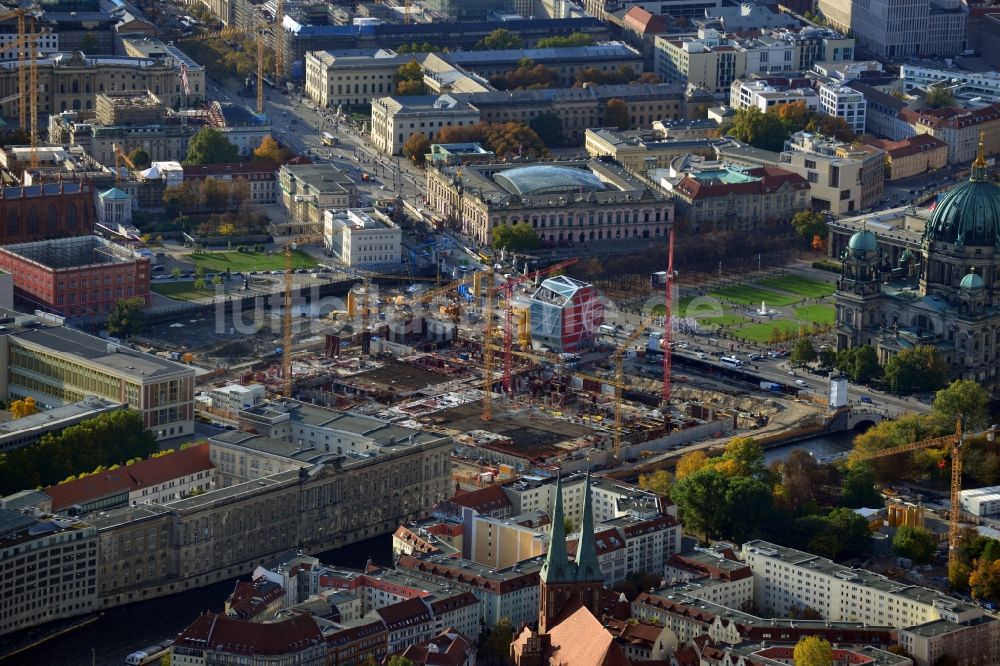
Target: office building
x=770 y=92
x=58 y=365
x=50 y=570
x=842 y=177
x=363 y=237
x=714 y=196
x=396 y=119
x=307 y=190
x=901 y=28
x=981 y=501
x=574 y=201
x=230 y=399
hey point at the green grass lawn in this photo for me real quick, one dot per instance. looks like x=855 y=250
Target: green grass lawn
x=819 y=314
x=762 y=332
x=705 y=315
x=182 y=291
x=799 y=285
x=216 y=262
x=749 y=295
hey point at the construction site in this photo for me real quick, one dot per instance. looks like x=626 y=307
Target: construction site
x=523 y=371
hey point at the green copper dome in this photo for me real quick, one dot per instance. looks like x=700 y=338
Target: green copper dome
x=863 y=241
x=972 y=281
x=970 y=213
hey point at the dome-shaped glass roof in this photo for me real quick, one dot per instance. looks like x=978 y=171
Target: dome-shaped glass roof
x=863 y=241
x=970 y=213
x=972 y=281
x=548 y=179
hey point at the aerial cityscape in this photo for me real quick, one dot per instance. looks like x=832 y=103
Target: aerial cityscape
x=499 y=332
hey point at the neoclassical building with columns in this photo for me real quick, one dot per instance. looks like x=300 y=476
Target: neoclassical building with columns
x=566 y=201
x=946 y=294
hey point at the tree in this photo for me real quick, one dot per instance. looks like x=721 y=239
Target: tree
x=175 y=273
x=697 y=496
x=140 y=158
x=760 y=130
x=416 y=148
x=494 y=647
x=616 y=114
x=527 y=75
x=965 y=398
x=833 y=126
x=745 y=457
x=858 y=488
x=574 y=39
x=984 y=581
x=804 y=480
x=803 y=352
x=199 y=284
x=549 y=127
x=500 y=39
x=215 y=194
x=127 y=317
x=915 y=543
x=217 y=279
x=399 y=660
x=658 y=482
x=860 y=364
x=808 y=224
x=959 y=573
x=181 y=199
x=518 y=237
x=410 y=79
x=937 y=98
x=747 y=506
x=24 y=407
x=270 y=150
x=851 y=532
x=690 y=463
x=917 y=369
x=827 y=358
x=813 y=651
x=794 y=115
x=210 y=146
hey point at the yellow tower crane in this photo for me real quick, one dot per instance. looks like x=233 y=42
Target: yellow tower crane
x=957 y=445
x=286 y=349
x=488 y=346
x=27 y=76
x=121 y=156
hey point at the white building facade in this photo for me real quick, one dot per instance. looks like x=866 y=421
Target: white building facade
x=846 y=103
x=362 y=237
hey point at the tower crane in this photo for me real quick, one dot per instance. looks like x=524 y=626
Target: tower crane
x=507 y=289
x=27 y=76
x=488 y=348
x=618 y=359
x=257 y=30
x=957 y=445
x=668 y=298
x=286 y=350
x=120 y=155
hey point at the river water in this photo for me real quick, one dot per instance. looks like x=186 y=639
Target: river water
x=121 y=631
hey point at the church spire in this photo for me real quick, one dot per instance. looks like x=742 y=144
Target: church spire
x=556 y=568
x=587 y=567
x=979 y=165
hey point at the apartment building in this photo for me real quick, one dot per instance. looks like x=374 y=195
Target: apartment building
x=960 y=129
x=49 y=570
x=503 y=593
x=771 y=92
x=842 y=177
x=844 y=102
x=362 y=237
x=713 y=59
x=910 y=157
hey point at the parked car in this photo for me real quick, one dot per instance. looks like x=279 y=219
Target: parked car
x=868 y=401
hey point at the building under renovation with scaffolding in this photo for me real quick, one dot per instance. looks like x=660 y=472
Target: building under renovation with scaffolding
x=75 y=277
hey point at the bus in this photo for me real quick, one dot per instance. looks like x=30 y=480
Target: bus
x=328 y=139
x=731 y=362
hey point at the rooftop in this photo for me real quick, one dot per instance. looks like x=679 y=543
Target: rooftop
x=73 y=252
x=88 y=405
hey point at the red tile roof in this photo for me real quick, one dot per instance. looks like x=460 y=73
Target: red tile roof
x=579 y=639
x=462 y=576
x=251 y=598
x=404 y=613
x=449 y=648
x=641 y=21
x=956 y=117
x=911 y=146
x=485 y=500
x=143 y=474
x=215 y=632
x=771 y=179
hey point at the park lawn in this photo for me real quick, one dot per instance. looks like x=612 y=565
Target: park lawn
x=799 y=285
x=749 y=295
x=704 y=315
x=816 y=314
x=762 y=332
x=218 y=262
x=182 y=291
